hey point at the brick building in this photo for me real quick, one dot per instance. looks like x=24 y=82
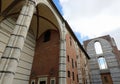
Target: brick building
x=37 y=46
x=105 y=60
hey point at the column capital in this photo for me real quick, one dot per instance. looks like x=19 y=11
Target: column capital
x=34 y=2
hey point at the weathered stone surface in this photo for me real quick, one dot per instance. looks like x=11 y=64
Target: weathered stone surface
x=109 y=55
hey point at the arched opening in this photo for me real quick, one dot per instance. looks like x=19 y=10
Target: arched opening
x=46 y=58
x=44 y=20
x=102 y=63
x=98 y=48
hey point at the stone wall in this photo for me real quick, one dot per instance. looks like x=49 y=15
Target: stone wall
x=25 y=63
x=108 y=54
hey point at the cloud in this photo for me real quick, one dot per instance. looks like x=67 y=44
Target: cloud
x=116 y=35
x=93 y=18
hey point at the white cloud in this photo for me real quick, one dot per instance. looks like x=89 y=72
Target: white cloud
x=93 y=18
x=116 y=35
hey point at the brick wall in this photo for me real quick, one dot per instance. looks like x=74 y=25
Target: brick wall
x=46 y=57
x=71 y=52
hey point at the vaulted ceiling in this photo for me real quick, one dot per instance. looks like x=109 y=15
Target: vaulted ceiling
x=42 y=20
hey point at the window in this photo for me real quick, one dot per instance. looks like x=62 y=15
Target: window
x=77 y=78
x=102 y=63
x=52 y=81
x=47 y=35
x=70 y=41
x=105 y=79
x=69 y=74
x=32 y=81
x=98 y=48
x=76 y=56
x=42 y=80
x=75 y=64
x=68 y=58
x=73 y=75
x=72 y=64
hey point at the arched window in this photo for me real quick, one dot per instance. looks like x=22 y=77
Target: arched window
x=102 y=63
x=98 y=48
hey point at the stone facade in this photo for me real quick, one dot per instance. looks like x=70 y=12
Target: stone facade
x=35 y=42
x=111 y=55
x=25 y=62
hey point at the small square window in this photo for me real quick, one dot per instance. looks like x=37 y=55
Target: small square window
x=52 y=81
x=42 y=80
x=32 y=81
x=106 y=79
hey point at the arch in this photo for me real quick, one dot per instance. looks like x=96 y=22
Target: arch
x=102 y=63
x=46 y=57
x=56 y=16
x=55 y=21
x=98 y=47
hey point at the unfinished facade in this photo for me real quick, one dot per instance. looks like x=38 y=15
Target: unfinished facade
x=37 y=46
x=104 y=63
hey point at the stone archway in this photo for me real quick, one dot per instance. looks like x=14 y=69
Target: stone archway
x=53 y=22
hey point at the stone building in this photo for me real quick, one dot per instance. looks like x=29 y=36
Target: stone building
x=105 y=60
x=37 y=46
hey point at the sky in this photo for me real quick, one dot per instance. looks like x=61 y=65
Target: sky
x=92 y=18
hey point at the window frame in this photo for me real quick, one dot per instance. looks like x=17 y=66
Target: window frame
x=98 y=47
x=33 y=80
x=70 y=41
x=69 y=74
x=53 y=78
x=72 y=63
x=73 y=76
x=102 y=63
x=42 y=79
x=68 y=58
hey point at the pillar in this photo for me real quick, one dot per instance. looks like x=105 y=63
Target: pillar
x=11 y=55
x=62 y=59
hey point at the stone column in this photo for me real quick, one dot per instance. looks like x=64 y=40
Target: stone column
x=62 y=59
x=11 y=55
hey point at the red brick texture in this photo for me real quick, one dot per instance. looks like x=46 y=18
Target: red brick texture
x=71 y=52
x=46 y=58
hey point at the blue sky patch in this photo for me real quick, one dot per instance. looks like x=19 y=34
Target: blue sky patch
x=57 y=3
x=78 y=35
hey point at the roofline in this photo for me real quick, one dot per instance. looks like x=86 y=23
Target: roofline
x=70 y=30
x=79 y=44
x=56 y=9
